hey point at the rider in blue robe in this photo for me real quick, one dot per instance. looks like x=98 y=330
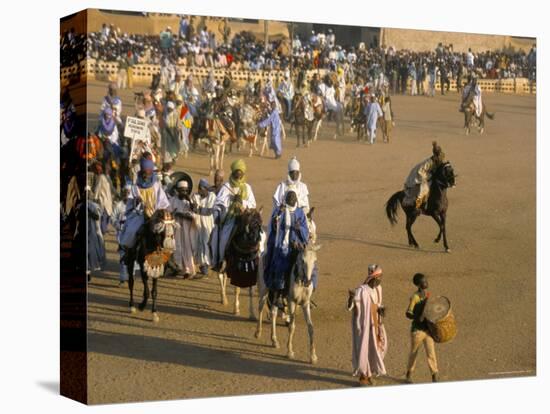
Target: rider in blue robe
x=288 y=236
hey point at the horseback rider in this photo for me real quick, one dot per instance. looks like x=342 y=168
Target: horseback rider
x=293 y=182
x=147 y=192
x=473 y=89
x=233 y=197
x=289 y=234
x=286 y=91
x=417 y=184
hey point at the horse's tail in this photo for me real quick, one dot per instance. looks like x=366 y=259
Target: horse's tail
x=392 y=205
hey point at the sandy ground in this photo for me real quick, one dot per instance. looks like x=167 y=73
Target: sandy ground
x=200 y=349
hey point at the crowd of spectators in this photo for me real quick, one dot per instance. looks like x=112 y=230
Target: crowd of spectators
x=193 y=45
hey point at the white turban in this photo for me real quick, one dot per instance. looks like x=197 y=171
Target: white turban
x=293 y=165
x=182 y=184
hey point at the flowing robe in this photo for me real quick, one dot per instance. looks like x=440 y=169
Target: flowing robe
x=369 y=341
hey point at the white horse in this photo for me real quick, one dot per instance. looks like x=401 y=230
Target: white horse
x=300 y=291
x=216 y=138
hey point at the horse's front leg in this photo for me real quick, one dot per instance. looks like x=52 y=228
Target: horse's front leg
x=319 y=122
x=274 y=309
x=410 y=220
x=306 y=307
x=444 y=231
x=291 y=327
x=251 y=315
x=222 y=278
x=236 y=308
x=144 y=279
x=261 y=304
x=154 y=297
x=222 y=151
x=131 y=285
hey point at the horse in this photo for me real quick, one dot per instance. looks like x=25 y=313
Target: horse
x=303 y=119
x=470 y=116
x=299 y=294
x=319 y=112
x=436 y=206
x=154 y=246
x=357 y=116
x=249 y=132
x=243 y=258
x=208 y=128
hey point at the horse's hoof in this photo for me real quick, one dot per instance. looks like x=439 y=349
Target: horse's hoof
x=436 y=240
x=156 y=318
x=447 y=250
x=275 y=344
x=290 y=355
x=313 y=360
x=141 y=306
x=257 y=334
x=236 y=312
x=133 y=309
x=224 y=301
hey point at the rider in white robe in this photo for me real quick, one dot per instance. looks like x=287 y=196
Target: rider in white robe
x=417 y=184
x=478 y=105
x=234 y=196
x=295 y=185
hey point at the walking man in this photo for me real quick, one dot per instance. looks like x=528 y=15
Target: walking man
x=419 y=328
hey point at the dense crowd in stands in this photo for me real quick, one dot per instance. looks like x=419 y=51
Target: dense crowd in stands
x=190 y=45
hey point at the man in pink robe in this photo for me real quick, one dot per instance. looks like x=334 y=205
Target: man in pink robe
x=369 y=341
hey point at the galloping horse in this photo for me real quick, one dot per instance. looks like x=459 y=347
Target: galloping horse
x=436 y=206
x=299 y=293
x=154 y=246
x=470 y=116
x=242 y=257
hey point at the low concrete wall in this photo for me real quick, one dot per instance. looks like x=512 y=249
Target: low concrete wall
x=142 y=75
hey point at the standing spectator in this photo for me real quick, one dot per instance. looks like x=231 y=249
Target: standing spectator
x=369 y=340
x=122 y=75
x=130 y=69
x=432 y=77
x=388 y=119
x=180 y=207
x=419 y=328
x=444 y=78
x=372 y=113
x=184 y=28
x=203 y=203
x=166 y=40
x=412 y=75
x=470 y=59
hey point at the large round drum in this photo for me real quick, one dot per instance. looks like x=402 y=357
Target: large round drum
x=440 y=319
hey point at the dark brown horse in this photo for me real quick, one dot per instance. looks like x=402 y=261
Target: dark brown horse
x=154 y=246
x=242 y=256
x=436 y=206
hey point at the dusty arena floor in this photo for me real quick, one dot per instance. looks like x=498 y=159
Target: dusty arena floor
x=200 y=349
